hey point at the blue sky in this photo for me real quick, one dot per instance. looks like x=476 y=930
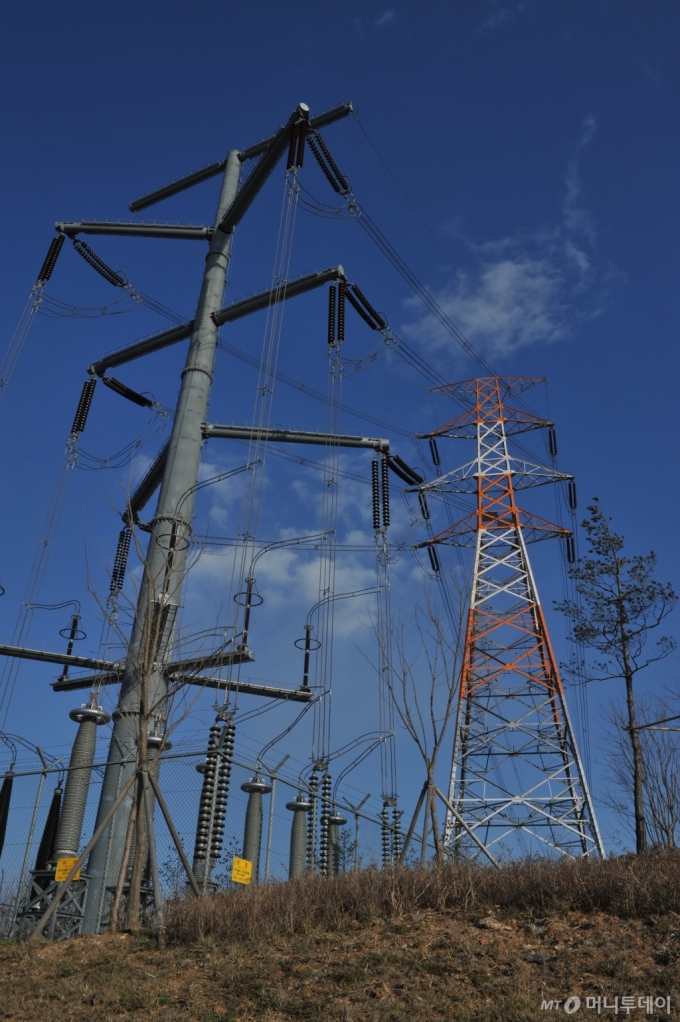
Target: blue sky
x=536 y=140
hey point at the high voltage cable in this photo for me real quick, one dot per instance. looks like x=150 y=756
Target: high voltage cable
x=309 y=391
x=340 y=185
x=368 y=224
x=251 y=496
x=309 y=463
x=429 y=230
x=428 y=299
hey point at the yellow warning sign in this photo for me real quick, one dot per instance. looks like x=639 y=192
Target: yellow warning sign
x=241 y=870
x=64 y=867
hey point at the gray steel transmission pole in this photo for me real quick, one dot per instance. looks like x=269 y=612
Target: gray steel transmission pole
x=160 y=593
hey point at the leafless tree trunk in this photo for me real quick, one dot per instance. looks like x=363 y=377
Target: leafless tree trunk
x=423 y=660
x=659 y=752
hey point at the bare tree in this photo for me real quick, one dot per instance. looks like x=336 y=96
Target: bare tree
x=422 y=656
x=621 y=603
x=661 y=771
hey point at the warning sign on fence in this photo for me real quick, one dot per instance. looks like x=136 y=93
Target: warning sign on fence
x=241 y=870
x=64 y=867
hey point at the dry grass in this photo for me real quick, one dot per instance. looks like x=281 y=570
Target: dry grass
x=405 y=946
x=630 y=886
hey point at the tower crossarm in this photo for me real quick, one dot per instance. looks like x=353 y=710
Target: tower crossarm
x=228 y=314
x=133 y=229
x=464 y=427
x=496 y=467
x=491 y=389
x=463 y=532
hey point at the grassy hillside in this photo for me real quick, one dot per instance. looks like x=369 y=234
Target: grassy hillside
x=455 y=943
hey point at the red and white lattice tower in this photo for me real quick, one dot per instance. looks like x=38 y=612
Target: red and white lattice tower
x=517 y=778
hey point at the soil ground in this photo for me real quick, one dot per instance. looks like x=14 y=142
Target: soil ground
x=418 y=967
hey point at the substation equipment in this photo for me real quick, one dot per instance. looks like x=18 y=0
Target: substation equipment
x=149 y=669
x=516 y=770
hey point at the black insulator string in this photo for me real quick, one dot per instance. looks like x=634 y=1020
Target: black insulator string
x=331 y=314
x=571 y=495
x=83 y=408
x=385 y=481
x=291 y=146
x=328 y=174
x=118 y=280
x=382 y=325
x=362 y=312
x=302 y=135
x=51 y=258
x=340 y=178
x=375 y=487
x=120 y=562
x=120 y=388
x=342 y=294
x=98 y=264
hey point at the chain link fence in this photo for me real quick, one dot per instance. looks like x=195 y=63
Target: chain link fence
x=361 y=839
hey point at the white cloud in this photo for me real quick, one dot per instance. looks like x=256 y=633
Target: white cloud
x=500 y=15
x=577 y=220
x=529 y=287
x=652 y=73
x=367 y=33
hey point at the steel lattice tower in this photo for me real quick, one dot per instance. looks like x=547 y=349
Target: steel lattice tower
x=516 y=778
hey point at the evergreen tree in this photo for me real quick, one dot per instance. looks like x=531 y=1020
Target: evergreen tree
x=620 y=604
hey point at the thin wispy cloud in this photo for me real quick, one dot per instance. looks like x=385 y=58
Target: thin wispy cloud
x=530 y=287
x=577 y=219
x=500 y=15
x=367 y=32
x=652 y=73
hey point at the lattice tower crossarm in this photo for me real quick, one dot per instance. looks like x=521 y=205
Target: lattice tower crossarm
x=517 y=778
